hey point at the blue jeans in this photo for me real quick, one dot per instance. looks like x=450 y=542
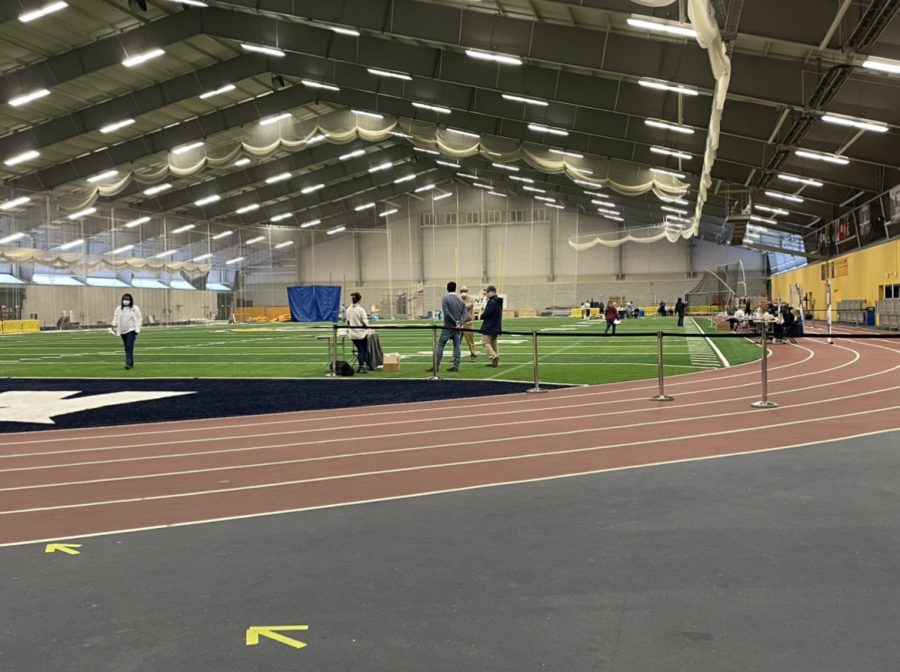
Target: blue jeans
x=446 y=335
x=128 y=340
x=610 y=324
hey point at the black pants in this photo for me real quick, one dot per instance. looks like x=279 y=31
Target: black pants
x=128 y=340
x=680 y=319
x=362 y=354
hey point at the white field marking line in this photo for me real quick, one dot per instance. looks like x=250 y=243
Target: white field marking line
x=709 y=341
x=430 y=493
x=394 y=451
x=421 y=467
x=316 y=442
x=425 y=406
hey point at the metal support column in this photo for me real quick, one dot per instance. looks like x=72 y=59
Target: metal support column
x=537 y=370
x=661 y=395
x=764 y=402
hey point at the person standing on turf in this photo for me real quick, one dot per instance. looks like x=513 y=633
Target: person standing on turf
x=468 y=335
x=612 y=316
x=680 y=307
x=358 y=323
x=454 y=311
x=126 y=322
x=491 y=319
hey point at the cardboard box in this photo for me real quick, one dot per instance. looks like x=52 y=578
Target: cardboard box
x=391 y=362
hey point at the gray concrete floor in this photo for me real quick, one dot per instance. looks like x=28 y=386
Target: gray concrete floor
x=778 y=561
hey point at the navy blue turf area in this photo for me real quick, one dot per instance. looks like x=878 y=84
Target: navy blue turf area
x=33 y=400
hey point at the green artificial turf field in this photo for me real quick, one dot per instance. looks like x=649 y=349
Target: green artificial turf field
x=296 y=351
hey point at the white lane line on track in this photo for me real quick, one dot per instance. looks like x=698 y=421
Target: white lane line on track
x=393 y=451
x=422 y=467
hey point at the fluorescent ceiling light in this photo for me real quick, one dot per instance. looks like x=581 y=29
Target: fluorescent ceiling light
x=677 y=128
x=678 y=201
x=274 y=119
x=142 y=58
x=670 y=173
x=505 y=166
x=534 y=190
x=21 y=158
x=388 y=73
x=206 y=200
x=517 y=178
x=12 y=238
x=497 y=58
x=545 y=199
x=597 y=194
x=109 y=128
x=762 y=220
x=319 y=85
x=318 y=137
x=677 y=211
x=585 y=183
x=562 y=152
x=182 y=229
x=821 y=156
x=671 y=152
x=401 y=134
x=380 y=167
x=441 y=197
x=784 y=197
x=556 y=205
x=540 y=128
x=271 y=51
x=281 y=177
x=282 y=216
x=463 y=133
x=284 y=244
x=667 y=86
x=192 y=3
x=610 y=213
x=800 y=180
x=864 y=124
x=82 y=213
x=449 y=164
x=585 y=171
x=257 y=239
x=364 y=206
x=433 y=108
x=70 y=245
x=234 y=261
x=247 y=208
x=157 y=189
x=202 y=257
x=392 y=211
x=124 y=248
x=14 y=202
x=352 y=155
x=601 y=203
x=136 y=222
x=882 y=65
x=614 y=218
x=336 y=229
x=345 y=31
x=681 y=220
x=216 y=92
x=27 y=17
x=425 y=150
x=661 y=26
x=242 y=161
x=312 y=188
x=371 y=115
x=481 y=185
x=498 y=194
x=188 y=147
x=774 y=211
x=312 y=222
x=405 y=178
x=103 y=176
x=471 y=177
x=224 y=234
x=28 y=97
x=527 y=101
x=425 y=187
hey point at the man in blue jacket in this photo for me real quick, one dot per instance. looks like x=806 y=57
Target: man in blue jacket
x=491 y=319
x=454 y=318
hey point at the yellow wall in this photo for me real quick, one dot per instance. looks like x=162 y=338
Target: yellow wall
x=867 y=271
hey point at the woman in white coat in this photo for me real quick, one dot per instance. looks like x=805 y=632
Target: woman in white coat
x=126 y=323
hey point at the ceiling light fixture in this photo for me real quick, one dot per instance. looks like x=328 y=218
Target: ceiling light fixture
x=202 y=257
x=167 y=253
x=497 y=194
x=216 y=92
x=864 y=124
x=677 y=211
x=481 y=185
x=182 y=229
x=425 y=150
x=242 y=161
x=257 y=239
x=247 y=208
x=545 y=199
x=28 y=97
x=774 y=211
x=387 y=73
x=505 y=166
x=14 y=202
x=466 y=134
x=556 y=205
x=585 y=183
x=497 y=58
x=534 y=190
x=540 y=128
x=433 y=108
x=27 y=17
x=388 y=212
x=365 y=206
x=352 y=155
x=562 y=152
x=662 y=85
x=518 y=178
x=142 y=58
x=82 y=213
x=528 y=101
x=405 y=178
x=425 y=187
x=380 y=167
x=671 y=152
x=449 y=164
x=335 y=230
x=882 y=65
x=670 y=173
x=441 y=197
x=22 y=158
x=344 y=31
x=224 y=234
x=762 y=220
x=312 y=188
x=261 y=49
x=274 y=119
x=319 y=85
x=13 y=237
x=124 y=248
x=370 y=115
x=784 y=197
x=109 y=128
x=282 y=216
x=661 y=26
x=800 y=180
x=281 y=177
x=677 y=128
x=136 y=222
x=614 y=218
x=601 y=203
x=284 y=244
x=206 y=200
x=188 y=147
x=70 y=245
x=822 y=156
x=312 y=222
x=234 y=261
x=471 y=177
x=103 y=176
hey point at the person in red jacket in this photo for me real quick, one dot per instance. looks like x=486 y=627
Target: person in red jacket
x=612 y=316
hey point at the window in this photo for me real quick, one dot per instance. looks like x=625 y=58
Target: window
x=517 y=215
x=65 y=280
x=217 y=287
x=494 y=216
x=540 y=214
x=106 y=282
x=145 y=283
x=892 y=291
x=450 y=218
x=7 y=279
x=427 y=219
x=181 y=284
x=473 y=217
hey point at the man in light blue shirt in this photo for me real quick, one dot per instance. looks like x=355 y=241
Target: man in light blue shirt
x=454 y=310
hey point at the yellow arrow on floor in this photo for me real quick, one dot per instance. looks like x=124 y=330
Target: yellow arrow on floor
x=65 y=548
x=271 y=631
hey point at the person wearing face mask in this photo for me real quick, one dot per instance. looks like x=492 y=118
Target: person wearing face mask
x=469 y=335
x=126 y=323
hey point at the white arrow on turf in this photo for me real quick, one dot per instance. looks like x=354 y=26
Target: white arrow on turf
x=41 y=407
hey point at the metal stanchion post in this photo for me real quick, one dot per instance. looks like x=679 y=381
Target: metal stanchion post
x=333 y=372
x=537 y=371
x=661 y=396
x=434 y=366
x=764 y=402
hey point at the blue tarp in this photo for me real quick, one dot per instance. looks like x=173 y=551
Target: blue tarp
x=314 y=303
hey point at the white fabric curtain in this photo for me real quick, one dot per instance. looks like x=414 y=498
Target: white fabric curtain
x=83 y=264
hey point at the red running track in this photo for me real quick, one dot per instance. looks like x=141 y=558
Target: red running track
x=67 y=484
